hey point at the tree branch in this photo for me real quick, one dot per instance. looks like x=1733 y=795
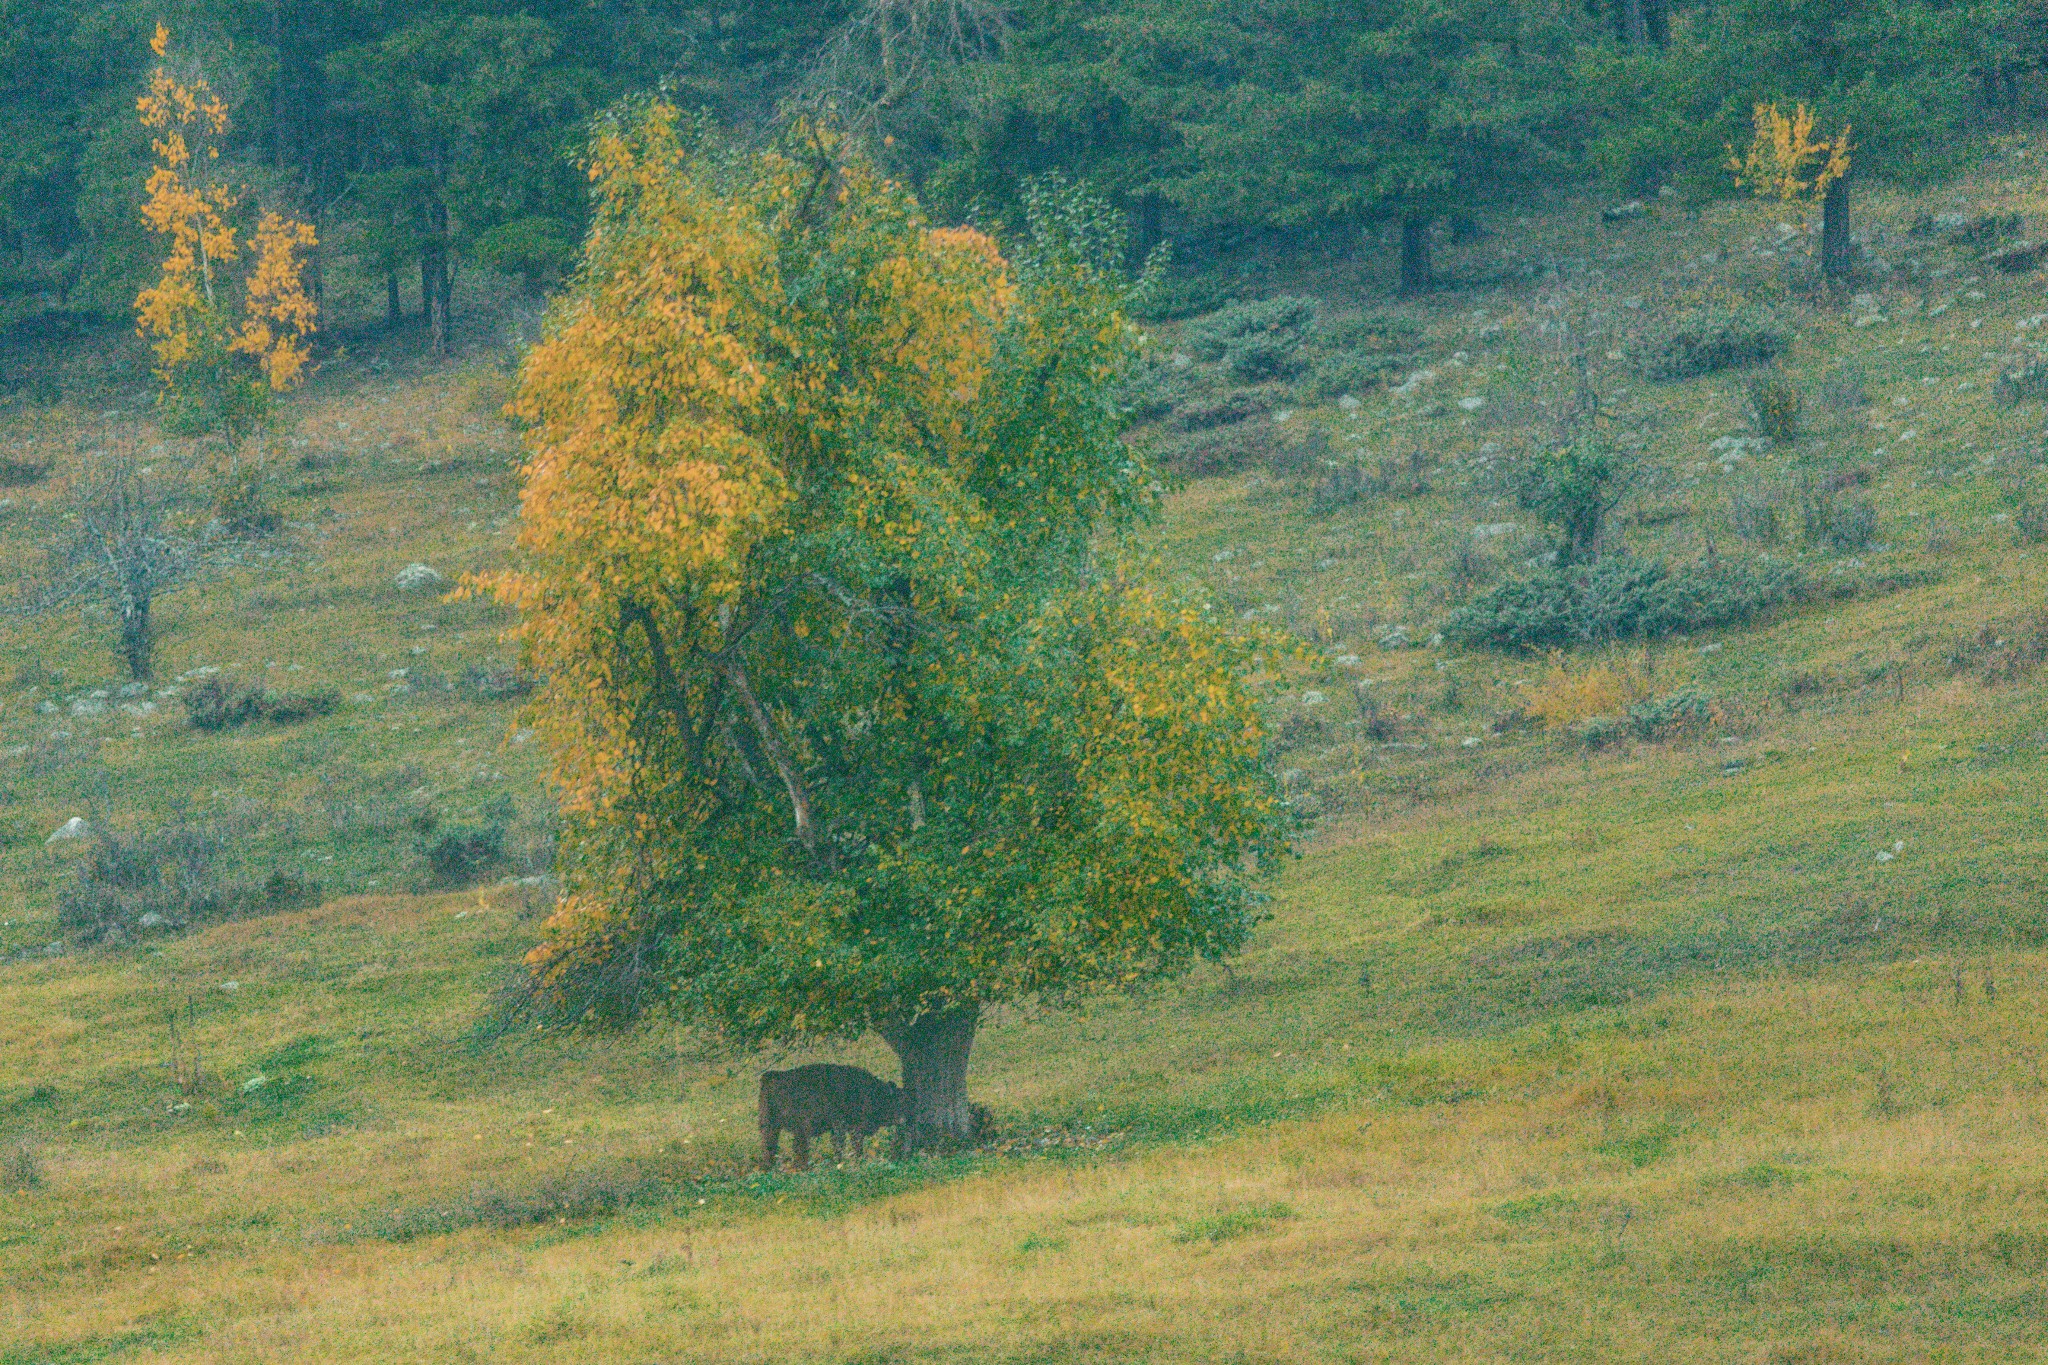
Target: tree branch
x=777 y=754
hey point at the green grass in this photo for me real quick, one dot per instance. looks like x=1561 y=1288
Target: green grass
x=1546 y=1054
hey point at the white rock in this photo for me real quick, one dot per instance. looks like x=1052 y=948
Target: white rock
x=418 y=578
x=74 y=828
x=1349 y=404
x=88 y=707
x=1488 y=530
x=254 y=1083
x=1472 y=404
x=1348 y=660
x=152 y=920
x=1313 y=699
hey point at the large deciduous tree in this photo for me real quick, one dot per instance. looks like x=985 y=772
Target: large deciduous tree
x=862 y=717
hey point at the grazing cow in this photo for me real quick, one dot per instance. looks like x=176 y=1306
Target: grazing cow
x=812 y=1101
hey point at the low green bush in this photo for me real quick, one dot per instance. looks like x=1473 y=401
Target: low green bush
x=1186 y=296
x=1620 y=597
x=223 y=703
x=1673 y=713
x=167 y=879
x=1285 y=322
x=1706 y=342
x=459 y=855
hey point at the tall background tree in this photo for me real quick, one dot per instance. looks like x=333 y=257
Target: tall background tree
x=860 y=717
x=424 y=139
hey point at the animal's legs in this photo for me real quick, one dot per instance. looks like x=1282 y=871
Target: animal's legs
x=800 y=1144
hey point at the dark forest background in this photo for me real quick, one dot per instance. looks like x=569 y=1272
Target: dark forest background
x=427 y=137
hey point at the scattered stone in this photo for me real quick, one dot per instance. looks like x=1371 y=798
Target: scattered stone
x=152 y=920
x=255 y=1083
x=418 y=578
x=1414 y=381
x=1472 y=404
x=1313 y=699
x=1349 y=404
x=74 y=828
x=1621 y=213
x=1488 y=530
x=87 y=708
x=1391 y=637
x=231 y=986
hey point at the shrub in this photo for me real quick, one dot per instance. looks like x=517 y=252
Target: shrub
x=1160 y=382
x=1851 y=525
x=1218 y=450
x=1369 y=333
x=166 y=879
x=1830 y=520
x=1618 y=598
x=23 y=1168
x=1254 y=359
x=21 y=473
x=1573 y=488
x=1222 y=409
x=461 y=854
x=1673 y=713
x=1185 y=296
x=1774 y=405
x=222 y=703
x=1597 y=732
x=1844 y=391
x=1708 y=342
x=2031 y=521
x=241 y=500
x=2028 y=379
x=1333 y=376
x=1753 y=514
x=1567 y=696
x=1255 y=340
x=1338 y=486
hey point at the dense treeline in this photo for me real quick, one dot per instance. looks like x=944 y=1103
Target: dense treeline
x=423 y=136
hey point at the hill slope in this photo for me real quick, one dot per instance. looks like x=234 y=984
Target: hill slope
x=1725 y=1044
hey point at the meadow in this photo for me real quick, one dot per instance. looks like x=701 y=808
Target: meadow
x=1721 y=1043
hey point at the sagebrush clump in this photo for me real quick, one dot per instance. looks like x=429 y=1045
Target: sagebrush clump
x=1620 y=598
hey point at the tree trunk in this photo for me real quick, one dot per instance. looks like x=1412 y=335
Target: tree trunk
x=1837 y=252
x=394 y=314
x=933 y=1052
x=1635 y=22
x=1416 y=272
x=138 y=641
x=1657 y=19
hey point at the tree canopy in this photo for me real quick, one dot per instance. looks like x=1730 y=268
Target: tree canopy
x=862 y=713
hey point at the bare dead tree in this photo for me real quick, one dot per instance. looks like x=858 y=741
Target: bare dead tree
x=895 y=60
x=119 y=543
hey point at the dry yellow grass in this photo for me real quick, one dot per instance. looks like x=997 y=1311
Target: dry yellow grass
x=1568 y=693
x=1834 y=1165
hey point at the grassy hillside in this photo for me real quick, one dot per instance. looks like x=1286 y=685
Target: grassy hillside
x=1563 y=1043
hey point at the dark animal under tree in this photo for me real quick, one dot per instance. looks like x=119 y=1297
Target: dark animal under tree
x=822 y=1100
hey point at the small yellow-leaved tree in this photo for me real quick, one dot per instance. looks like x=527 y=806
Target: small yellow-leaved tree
x=1785 y=163
x=226 y=318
